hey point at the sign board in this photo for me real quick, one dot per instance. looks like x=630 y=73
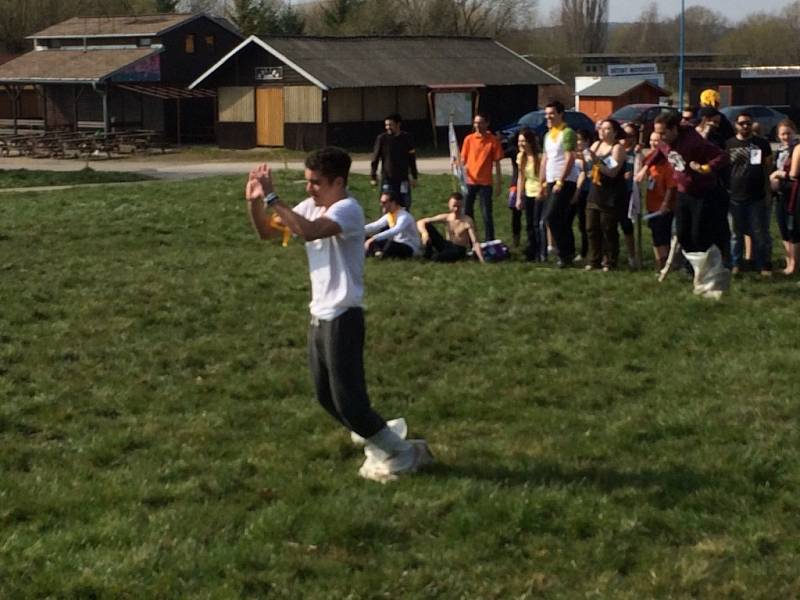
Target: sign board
x=637 y=69
x=455 y=104
x=269 y=73
x=760 y=72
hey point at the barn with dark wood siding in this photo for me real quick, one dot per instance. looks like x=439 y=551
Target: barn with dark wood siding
x=306 y=92
x=119 y=72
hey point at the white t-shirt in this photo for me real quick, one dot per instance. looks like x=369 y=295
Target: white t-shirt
x=556 y=158
x=336 y=263
x=403 y=232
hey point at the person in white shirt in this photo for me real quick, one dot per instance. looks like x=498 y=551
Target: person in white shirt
x=332 y=224
x=395 y=234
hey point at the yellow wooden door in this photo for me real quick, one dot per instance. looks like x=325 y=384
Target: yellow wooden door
x=269 y=116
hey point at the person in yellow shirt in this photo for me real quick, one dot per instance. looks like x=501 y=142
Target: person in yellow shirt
x=529 y=191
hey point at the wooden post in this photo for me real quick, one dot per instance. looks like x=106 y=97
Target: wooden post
x=433 y=119
x=14 y=93
x=178 y=120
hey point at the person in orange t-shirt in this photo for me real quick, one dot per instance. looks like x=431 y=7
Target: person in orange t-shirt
x=479 y=150
x=661 y=197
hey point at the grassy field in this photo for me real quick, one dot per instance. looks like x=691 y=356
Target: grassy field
x=18 y=178
x=597 y=435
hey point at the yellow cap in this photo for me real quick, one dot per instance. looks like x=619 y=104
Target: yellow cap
x=709 y=97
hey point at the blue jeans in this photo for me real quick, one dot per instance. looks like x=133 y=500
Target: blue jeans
x=485 y=192
x=751 y=218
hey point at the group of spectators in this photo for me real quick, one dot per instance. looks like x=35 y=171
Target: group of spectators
x=711 y=182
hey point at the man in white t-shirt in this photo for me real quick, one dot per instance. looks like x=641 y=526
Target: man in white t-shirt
x=332 y=224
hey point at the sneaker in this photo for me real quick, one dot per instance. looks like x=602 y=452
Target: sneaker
x=578 y=258
x=398 y=425
x=416 y=456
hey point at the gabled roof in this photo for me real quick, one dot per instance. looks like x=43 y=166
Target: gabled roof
x=350 y=62
x=70 y=65
x=616 y=86
x=144 y=25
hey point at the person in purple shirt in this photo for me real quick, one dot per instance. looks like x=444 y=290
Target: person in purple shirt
x=697 y=164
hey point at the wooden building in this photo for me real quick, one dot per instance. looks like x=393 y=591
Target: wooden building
x=610 y=93
x=777 y=86
x=306 y=92
x=121 y=72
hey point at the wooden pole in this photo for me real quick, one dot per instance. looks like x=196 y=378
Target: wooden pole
x=178 y=120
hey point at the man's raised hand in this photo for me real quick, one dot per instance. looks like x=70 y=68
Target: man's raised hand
x=259 y=183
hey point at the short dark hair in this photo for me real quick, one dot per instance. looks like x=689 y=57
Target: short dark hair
x=390 y=195
x=456 y=196
x=744 y=114
x=557 y=105
x=585 y=134
x=668 y=119
x=331 y=162
x=707 y=112
x=394 y=117
x=483 y=115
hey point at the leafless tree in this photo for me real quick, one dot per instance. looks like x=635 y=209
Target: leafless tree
x=585 y=23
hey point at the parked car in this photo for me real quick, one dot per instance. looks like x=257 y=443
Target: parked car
x=768 y=118
x=535 y=120
x=643 y=115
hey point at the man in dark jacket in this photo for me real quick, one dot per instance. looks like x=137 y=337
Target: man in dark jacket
x=394 y=150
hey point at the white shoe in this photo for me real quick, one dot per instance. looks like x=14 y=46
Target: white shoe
x=398 y=425
x=417 y=455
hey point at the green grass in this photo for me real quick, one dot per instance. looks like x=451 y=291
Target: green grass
x=597 y=435
x=18 y=178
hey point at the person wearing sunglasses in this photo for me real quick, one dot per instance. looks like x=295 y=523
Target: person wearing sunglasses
x=750 y=165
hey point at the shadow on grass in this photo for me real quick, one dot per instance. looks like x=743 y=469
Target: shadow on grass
x=662 y=485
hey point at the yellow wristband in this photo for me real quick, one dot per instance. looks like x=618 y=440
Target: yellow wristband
x=705 y=169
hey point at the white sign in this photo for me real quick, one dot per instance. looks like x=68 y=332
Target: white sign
x=269 y=73
x=637 y=69
x=758 y=72
x=457 y=104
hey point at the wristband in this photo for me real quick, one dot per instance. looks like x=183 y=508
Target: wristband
x=705 y=169
x=271 y=199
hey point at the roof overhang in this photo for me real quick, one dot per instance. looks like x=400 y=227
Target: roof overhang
x=258 y=41
x=165 y=92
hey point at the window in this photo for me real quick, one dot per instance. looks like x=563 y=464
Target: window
x=188 y=44
x=145 y=42
x=211 y=41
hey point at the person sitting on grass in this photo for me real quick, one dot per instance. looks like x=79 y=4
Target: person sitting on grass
x=461 y=234
x=395 y=234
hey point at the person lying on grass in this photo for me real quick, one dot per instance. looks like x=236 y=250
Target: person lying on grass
x=460 y=232
x=395 y=234
x=332 y=224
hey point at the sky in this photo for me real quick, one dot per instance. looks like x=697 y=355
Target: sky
x=629 y=10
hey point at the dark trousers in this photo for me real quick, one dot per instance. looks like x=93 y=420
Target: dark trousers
x=790 y=232
x=485 y=193
x=601 y=228
x=391 y=249
x=439 y=249
x=697 y=221
x=535 y=233
x=579 y=209
x=336 y=358
x=558 y=217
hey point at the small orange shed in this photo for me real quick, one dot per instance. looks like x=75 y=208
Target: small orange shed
x=610 y=93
